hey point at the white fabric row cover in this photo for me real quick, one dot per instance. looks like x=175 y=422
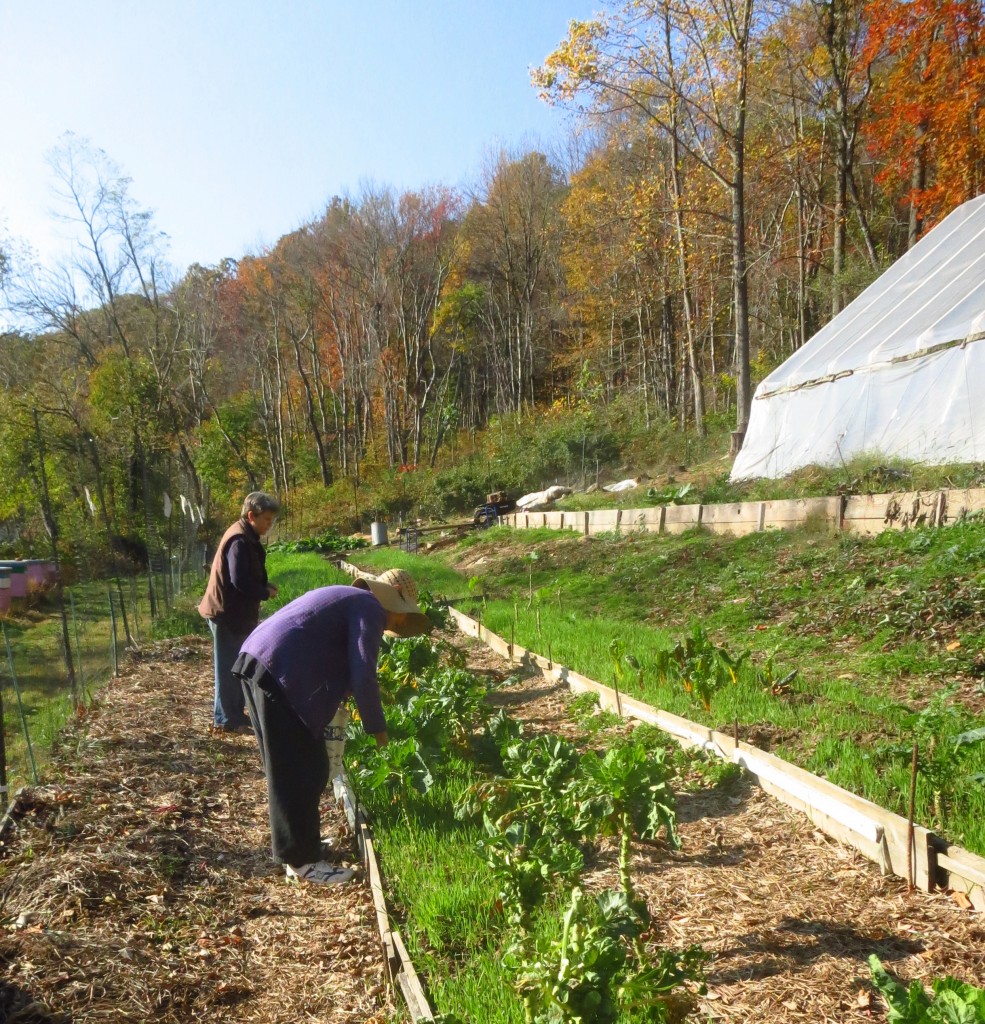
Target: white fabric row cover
x=899 y=372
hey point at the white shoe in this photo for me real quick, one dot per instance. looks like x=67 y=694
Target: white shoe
x=321 y=873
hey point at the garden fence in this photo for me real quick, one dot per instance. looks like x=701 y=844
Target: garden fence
x=65 y=628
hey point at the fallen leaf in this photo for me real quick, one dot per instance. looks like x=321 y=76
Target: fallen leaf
x=863 y=1001
x=962 y=901
x=954 y=645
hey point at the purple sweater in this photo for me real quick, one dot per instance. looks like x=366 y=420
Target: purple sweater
x=320 y=648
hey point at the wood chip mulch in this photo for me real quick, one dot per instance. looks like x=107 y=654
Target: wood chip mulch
x=138 y=883
x=789 y=915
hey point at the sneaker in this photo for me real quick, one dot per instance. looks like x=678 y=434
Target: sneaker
x=321 y=873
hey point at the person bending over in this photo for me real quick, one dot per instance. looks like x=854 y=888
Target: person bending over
x=297 y=667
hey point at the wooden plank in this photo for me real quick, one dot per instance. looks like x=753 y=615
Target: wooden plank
x=603 y=520
x=730 y=515
x=643 y=520
x=379 y=902
x=410 y=983
x=963 y=872
x=679 y=518
x=869 y=514
x=961 y=503
x=791 y=512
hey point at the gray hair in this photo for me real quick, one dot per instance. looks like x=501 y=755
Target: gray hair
x=258 y=502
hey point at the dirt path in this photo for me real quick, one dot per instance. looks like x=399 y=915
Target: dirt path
x=789 y=915
x=139 y=885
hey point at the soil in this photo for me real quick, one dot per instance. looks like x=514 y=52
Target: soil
x=137 y=884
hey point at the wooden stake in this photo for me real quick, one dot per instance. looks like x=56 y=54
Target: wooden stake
x=910 y=840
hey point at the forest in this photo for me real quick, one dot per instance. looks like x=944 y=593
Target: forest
x=736 y=172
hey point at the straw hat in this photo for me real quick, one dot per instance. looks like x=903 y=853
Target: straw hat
x=396 y=590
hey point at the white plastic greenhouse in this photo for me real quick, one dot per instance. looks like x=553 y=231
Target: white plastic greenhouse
x=899 y=372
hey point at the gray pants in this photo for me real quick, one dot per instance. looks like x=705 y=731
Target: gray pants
x=229 y=706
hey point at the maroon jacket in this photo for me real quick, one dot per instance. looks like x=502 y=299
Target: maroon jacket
x=233 y=597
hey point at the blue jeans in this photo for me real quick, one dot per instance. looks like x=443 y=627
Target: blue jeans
x=230 y=704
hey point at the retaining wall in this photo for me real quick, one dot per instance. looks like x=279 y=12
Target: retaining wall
x=864 y=514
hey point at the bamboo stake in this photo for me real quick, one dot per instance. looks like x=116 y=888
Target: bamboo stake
x=910 y=840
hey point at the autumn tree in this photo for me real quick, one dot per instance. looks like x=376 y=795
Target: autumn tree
x=512 y=236
x=929 y=116
x=685 y=67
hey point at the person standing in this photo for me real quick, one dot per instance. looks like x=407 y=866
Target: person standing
x=231 y=605
x=297 y=668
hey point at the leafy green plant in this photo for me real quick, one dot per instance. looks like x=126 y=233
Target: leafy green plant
x=449 y=706
x=702 y=668
x=434 y=607
x=585 y=710
x=402 y=662
x=397 y=765
x=946 y=736
x=593 y=971
x=526 y=862
x=953 y=1002
x=325 y=543
x=538 y=774
x=625 y=793
x=477 y=588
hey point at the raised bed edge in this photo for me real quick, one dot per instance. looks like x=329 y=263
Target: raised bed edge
x=878 y=834
x=399 y=967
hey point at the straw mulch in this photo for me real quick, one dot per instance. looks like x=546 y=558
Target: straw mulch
x=789 y=916
x=138 y=885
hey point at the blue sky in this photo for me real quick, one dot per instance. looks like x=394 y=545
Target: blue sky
x=238 y=119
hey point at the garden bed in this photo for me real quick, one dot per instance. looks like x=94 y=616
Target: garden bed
x=789 y=916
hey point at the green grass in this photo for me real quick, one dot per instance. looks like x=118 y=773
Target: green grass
x=440 y=887
x=874 y=627
x=296 y=574
x=430 y=574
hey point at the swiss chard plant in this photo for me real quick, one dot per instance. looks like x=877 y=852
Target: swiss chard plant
x=701 y=667
x=950 y=1001
x=593 y=973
